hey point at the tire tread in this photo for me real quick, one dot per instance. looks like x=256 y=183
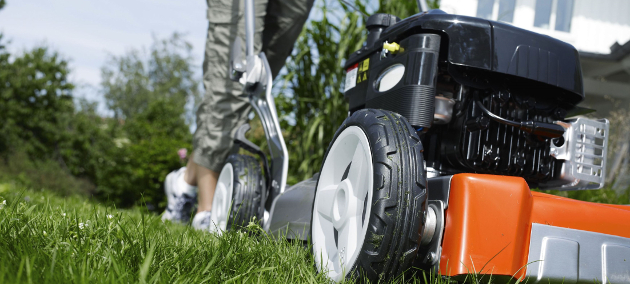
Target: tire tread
x=247 y=190
x=399 y=199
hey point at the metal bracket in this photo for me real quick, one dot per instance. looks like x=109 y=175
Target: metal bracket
x=241 y=141
x=583 y=153
x=237 y=63
x=429 y=255
x=440 y=188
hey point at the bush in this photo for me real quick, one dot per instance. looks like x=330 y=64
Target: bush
x=36 y=103
x=46 y=141
x=44 y=174
x=134 y=167
x=618 y=171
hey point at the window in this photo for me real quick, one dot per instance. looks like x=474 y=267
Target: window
x=554 y=14
x=543 y=14
x=499 y=10
x=506 y=10
x=484 y=9
x=564 y=13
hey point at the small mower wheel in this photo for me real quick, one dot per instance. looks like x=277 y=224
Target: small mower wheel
x=370 y=201
x=238 y=194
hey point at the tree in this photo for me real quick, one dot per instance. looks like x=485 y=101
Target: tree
x=126 y=159
x=148 y=96
x=37 y=103
x=130 y=82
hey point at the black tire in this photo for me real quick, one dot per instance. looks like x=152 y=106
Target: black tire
x=247 y=190
x=399 y=199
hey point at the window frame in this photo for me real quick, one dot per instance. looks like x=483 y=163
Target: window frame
x=553 y=17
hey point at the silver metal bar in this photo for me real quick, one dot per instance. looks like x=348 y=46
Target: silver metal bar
x=263 y=102
x=589 y=165
x=250 y=27
x=590 y=144
x=587 y=155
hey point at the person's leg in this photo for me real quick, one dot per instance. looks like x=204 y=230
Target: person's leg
x=205 y=180
x=224 y=107
x=283 y=25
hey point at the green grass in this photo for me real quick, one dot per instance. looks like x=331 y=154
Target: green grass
x=45 y=238
x=604 y=195
x=48 y=239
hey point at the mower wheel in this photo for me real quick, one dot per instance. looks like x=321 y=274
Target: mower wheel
x=238 y=194
x=370 y=200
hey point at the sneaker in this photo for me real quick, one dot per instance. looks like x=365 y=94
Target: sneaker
x=181 y=197
x=201 y=221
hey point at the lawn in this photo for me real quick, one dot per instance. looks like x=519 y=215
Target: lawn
x=45 y=238
x=48 y=239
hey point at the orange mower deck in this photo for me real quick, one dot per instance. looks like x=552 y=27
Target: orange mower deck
x=489 y=220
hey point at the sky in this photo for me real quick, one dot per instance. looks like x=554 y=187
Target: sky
x=86 y=31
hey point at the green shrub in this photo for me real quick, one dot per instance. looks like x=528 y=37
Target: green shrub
x=135 y=166
x=48 y=142
x=44 y=174
x=36 y=103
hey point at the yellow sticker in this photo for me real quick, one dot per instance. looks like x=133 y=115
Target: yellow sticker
x=363 y=69
x=365 y=65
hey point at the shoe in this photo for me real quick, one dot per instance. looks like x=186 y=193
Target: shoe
x=201 y=221
x=181 y=197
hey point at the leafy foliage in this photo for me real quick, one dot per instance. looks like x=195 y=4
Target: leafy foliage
x=130 y=84
x=148 y=97
x=47 y=141
x=135 y=166
x=43 y=174
x=43 y=140
x=403 y=9
x=618 y=167
x=37 y=101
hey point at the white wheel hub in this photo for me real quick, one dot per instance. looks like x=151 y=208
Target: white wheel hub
x=342 y=203
x=222 y=199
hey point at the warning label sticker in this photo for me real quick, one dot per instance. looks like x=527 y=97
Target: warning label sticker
x=362 y=75
x=351 y=77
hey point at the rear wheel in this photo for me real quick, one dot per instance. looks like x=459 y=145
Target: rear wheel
x=370 y=199
x=237 y=197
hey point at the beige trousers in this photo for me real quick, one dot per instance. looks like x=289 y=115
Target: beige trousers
x=224 y=108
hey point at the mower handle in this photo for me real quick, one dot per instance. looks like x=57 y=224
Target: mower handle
x=255 y=74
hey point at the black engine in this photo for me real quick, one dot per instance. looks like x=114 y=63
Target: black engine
x=485 y=96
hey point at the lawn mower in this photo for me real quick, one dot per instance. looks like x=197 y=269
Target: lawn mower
x=452 y=121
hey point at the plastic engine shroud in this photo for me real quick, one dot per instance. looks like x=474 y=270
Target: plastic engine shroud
x=517 y=74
